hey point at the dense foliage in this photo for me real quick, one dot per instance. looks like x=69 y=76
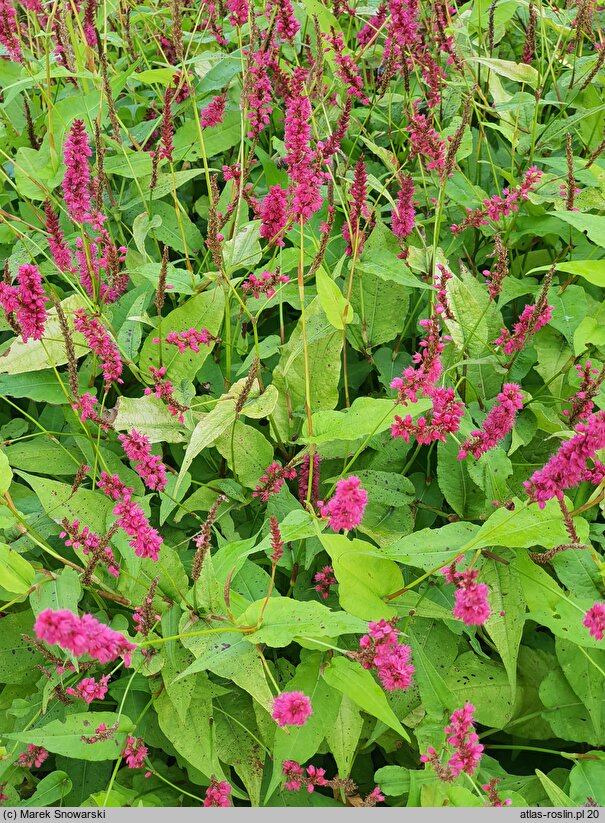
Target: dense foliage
x=301 y=367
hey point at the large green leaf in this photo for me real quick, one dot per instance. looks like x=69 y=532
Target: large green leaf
x=284 y=619
x=364 y=577
x=16 y=574
x=323 y=348
x=204 y=311
x=351 y=679
x=65 y=736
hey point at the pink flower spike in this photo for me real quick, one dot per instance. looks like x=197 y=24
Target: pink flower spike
x=214 y=112
x=347 y=506
x=33 y=757
x=82 y=635
x=149 y=467
x=594 y=620
x=569 y=465
x=135 y=752
x=217 y=793
x=291 y=709
x=77 y=182
x=498 y=423
x=97 y=337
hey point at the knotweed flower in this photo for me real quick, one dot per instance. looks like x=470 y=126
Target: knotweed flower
x=217 y=793
x=346 y=68
x=213 y=113
x=569 y=465
x=82 y=635
x=594 y=620
x=274 y=215
x=238 y=12
x=324 y=580
x=303 y=479
x=101 y=344
x=76 y=182
x=465 y=741
x=27 y=301
x=149 y=467
x=381 y=650
x=424 y=140
x=264 y=284
x=345 y=509
x=9 y=28
x=164 y=390
x=358 y=209
x=56 y=240
x=498 y=423
x=286 y=24
x=403 y=216
x=89 y=689
x=501 y=206
x=462 y=736
x=135 y=752
x=291 y=709
x=258 y=92
x=33 y=757
x=272 y=480
x=146 y=541
x=277 y=544
x=296 y=777
x=471 y=603
x=445 y=419
x=531 y=320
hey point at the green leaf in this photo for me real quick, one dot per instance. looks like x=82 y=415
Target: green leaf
x=591 y=270
x=351 y=679
x=204 y=311
x=193 y=736
x=505 y=625
x=251 y=450
x=57 y=500
x=61 y=591
x=366 y=416
x=229 y=655
x=285 y=619
x=592 y=224
x=16 y=574
x=324 y=345
x=149 y=415
x=141 y=227
x=343 y=736
x=433 y=653
x=485 y=684
x=386 y=265
x=6 y=474
x=520 y=72
x=65 y=736
x=364 y=578
x=556 y=795
x=18 y=357
x=52 y=788
x=549 y=605
x=17 y=656
x=584 y=669
x=187 y=144
x=587 y=779
x=301 y=743
x=244 y=250
x=525 y=527
x=333 y=302
x=429 y=548
x=177 y=229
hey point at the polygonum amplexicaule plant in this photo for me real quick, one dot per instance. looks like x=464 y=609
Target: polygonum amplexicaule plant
x=302 y=405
